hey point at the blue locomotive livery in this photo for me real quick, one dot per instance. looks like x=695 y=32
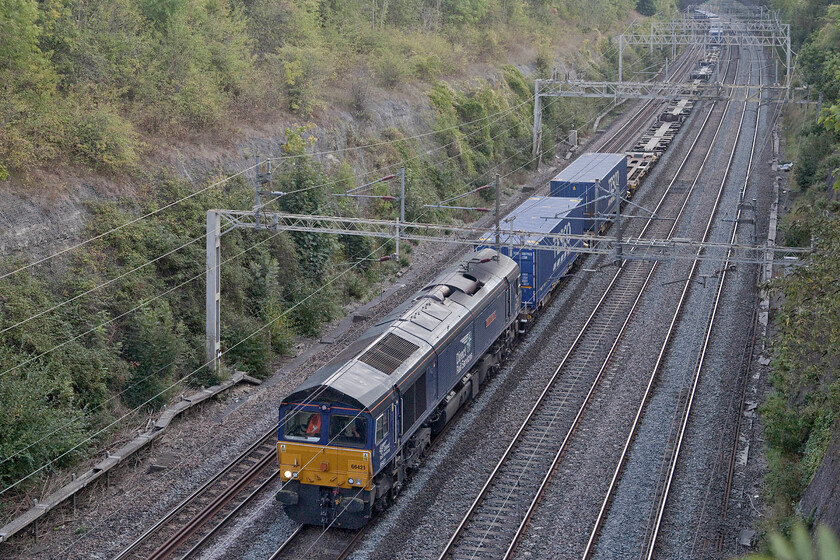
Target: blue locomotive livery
x=351 y=433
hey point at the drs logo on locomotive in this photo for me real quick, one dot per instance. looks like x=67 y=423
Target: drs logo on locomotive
x=465 y=354
x=489 y=320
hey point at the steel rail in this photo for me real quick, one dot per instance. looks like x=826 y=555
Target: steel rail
x=706 y=342
x=143 y=539
x=527 y=420
x=483 y=492
x=660 y=358
x=297 y=540
x=287 y=543
x=210 y=510
x=744 y=366
x=203 y=541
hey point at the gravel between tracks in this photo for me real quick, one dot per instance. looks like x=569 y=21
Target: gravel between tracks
x=692 y=524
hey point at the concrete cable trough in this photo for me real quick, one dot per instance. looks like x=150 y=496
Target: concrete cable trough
x=115 y=457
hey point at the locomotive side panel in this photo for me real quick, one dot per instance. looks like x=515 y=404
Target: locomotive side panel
x=368 y=415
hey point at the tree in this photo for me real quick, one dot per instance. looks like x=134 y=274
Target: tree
x=646 y=7
x=27 y=87
x=302 y=178
x=800 y=547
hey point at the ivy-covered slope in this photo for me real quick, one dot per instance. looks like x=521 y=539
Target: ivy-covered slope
x=801 y=413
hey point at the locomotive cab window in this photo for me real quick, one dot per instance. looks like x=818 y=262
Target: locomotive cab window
x=302 y=426
x=348 y=430
x=382 y=426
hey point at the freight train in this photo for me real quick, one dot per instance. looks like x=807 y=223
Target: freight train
x=352 y=433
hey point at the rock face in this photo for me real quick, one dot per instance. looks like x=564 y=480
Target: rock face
x=32 y=229
x=821 y=500
x=51 y=219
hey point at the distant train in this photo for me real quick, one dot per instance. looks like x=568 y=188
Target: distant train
x=351 y=434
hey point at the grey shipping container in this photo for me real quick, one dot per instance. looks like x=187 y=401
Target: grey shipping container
x=597 y=179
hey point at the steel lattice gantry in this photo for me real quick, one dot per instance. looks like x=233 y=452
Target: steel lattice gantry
x=629 y=248
x=652 y=90
x=760 y=33
x=642 y=90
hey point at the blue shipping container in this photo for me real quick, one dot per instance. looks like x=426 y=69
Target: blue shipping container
x=543 y=261
x=596 y=178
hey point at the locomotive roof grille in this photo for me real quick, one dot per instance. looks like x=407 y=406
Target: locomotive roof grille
x=389 y=353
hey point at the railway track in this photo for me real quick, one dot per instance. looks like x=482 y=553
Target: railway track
x=715 y=541
x=682 y=404
x=317 y=543
x=499 y=515
x=684 y=399
x=624 y=137
x=182 y=532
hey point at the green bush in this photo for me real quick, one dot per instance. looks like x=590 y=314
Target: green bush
x=40 y=423
x=302 y=72
x=799 y=413
x=105 y=141
x=783 y=429
x=153 y=346
x=247 y=346
x=799 y=545
x=392 y=69
x=815 y=146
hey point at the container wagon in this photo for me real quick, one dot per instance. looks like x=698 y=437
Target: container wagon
x=639 y=164
x=542 y=260
x=597 y=179
x=678 y=111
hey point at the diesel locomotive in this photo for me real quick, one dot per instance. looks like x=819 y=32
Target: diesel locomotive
x=350 y=434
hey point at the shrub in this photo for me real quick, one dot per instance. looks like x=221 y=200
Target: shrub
x=247 y=346
x=303 y=70
x=815 y=146
x=105 y=141
x=392 y=69
x=153 y=347
x=39 y=422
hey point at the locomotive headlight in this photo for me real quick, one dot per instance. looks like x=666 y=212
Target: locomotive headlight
x=350 y=481
x=287 y=474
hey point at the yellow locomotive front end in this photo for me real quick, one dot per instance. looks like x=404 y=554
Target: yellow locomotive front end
x=326 y=465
